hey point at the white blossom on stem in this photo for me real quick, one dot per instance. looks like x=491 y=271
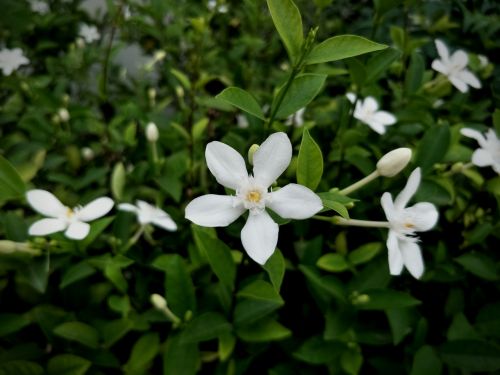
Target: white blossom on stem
x=454 y=67
x=260 y=233
x=11 y=59
x=89 y=33
x=402 y=242
x=62 y=218
x=488 y=153
x=152 y=133
x=367 y=111
x=39 y=6
x=148 y=214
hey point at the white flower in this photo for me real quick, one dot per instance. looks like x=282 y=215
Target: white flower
x=394 y=162
x=488 y=153
x=260 y=233
x=404 y=222
x=39 y=6
x=483 y=61
x=63 y=114
x=89 y=33
x=152 y=133
x=242 y=121
x=454 y=67
x=367 y=112
x=72 y=221
x=87 y=153
x=148 y=214
x=296 y=118
x=11 y=59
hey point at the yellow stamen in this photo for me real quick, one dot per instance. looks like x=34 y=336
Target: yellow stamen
x=409 y=225
x=253 y=196
x=69 y=212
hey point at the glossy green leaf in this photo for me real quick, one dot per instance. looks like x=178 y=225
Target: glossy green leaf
x=264 y=330
x=379 y=63
x=301 y=92
x=479 y=264
x=256 y=301
x=365 y=253
x=68 y=364
x=414 y=74
x=318 y=351
x=75 y=273
x=207 y=326
x=11 y=323
x=180 y=358
x=143 y=352
x=342 y=47
x=275 y=268
x=433 y=146
x=471 y=355
x=426 y=362
x=333 y=263
x=11 y=184
x=288 y=21
x=351 y=361
x=243 y=100
x=21 y=367
x=310 y=162
x=118 y=181
x=79 y=332
x=385 y=299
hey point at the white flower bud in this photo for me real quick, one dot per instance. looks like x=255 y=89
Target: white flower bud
x=87 y=153
x=251 y=151
x=152 y=133
x=394 y=162
x=159 y=55
x=80 y=43
x=159 y=302
x=63 y=114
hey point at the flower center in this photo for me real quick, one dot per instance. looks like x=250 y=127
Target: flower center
x=69 y=213
x=251 y=195
x=254 y=196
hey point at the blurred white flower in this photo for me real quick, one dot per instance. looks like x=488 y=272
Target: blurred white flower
x=39 y=6
x=152 y=133
x=367 y=112
x=148 y=214
x=89 y=33
x=488 y=153
x=87 y=153
x=483 y=61
x=404 y=250
x=63 y=114
x=126 y=12
x=260 y=233
x=214 y=5
x=394 y=162
x=62 y=218
x=296 y=119
x=454 y=67
x=11 y=59
x=242 y=121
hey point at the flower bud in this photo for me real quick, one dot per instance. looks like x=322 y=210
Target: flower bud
x=394 y=162
x=251 y=151
x=152 y=133
x=152 y=93
x=63 y=114
x=159 y=55
x=87 y=153
x=159 y=302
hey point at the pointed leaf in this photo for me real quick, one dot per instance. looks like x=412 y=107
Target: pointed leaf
x=288 y=21
x=243 y=100
x=301 y=92
x=310 y=162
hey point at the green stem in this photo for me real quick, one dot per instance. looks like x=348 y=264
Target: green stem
x=135 y=237
x=360 y=223
x=348 y=190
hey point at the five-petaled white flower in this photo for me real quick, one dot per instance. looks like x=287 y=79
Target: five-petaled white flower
x=89 y=33
x=488 y=153
x=404 y=222
x=259 y=236
x=367 y=112
x=148 y=214
x=60 y=217
x=296 y=119
x=454 y=67
x=11 y=59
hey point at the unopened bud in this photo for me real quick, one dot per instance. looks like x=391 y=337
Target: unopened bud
x=152 y=94
x=66 y=99
x=87 y=153
x=63 y=114
x=179 y=91
x=361 y=299
x=159 y=302
x=152 y=133
x=251 y=151
x=159 y=55
x=80 y=43
x=394 y=162
x=9 y=247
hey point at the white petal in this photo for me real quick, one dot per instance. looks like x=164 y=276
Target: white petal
x=375 y=126
x=95 y=209
x=77 y=230
x=459 y=84
x=438 y=66
x=226 y=164
x=45 y=203
x=165 y=222
x=259 y=236
x=425 y=216
x=412 y=258
x=388 y=206
x=127 y=207
x=459 y=59
x=272 y=158
x=469 y=78
x=295 y=202
x=370 y=104
x=385 y=118
x=46 y=226
x=474 y=134
x=442 y=50
x=213 y=210
x=351 y=97
x=409 y=190
x=394 y=254
x=482 y=158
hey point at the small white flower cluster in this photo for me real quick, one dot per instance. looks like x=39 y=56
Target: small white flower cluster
x=89 y=34
x=11 y=60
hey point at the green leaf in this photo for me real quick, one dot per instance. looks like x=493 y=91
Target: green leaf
x=75 y=273
x=328 y=285
x=335 y=206
x=479 y=264
x=218 y=255
x=471 y=355
x=275 y=268
x=351 y=361
x=379 y=63
x=318 y=351
x=68 y=364
x=180 y=358
x=342 y=47
x=243 y=100
x=310 y=162
x=178 y=284
x=227 y=342
x=118 y=181
x=114 y=330
x=38 y=273
x=11 y=184
x=364 y=253
x=288 y=21
x=79 y=332
x=414 y=74
x=10 y=323
x=256 y=301
x=433 y=147
x=385 y=299
x=496 y=120
x=400 y=321
x=114 y=274
x=20 y=367
x=207 y=326
x=301 y=92
x=263 y=331
x=426 y=362
x=332 y=263
x=96 y=228
x=143 y=352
